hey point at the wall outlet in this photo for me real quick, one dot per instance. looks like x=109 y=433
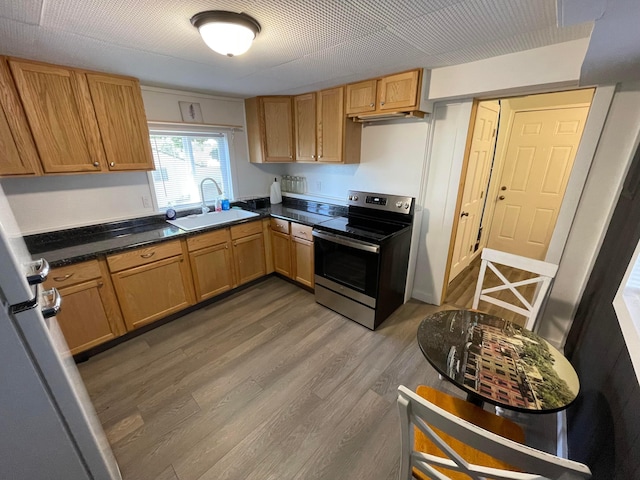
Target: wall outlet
x=146 y=201
x=318 y=185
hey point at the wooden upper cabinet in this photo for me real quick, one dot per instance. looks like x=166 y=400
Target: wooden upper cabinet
x=400 y=91
x=304 y=114
x=270 y=129
x=361 y=97
x=18 y=154
x=123 y=124
x=330 y=125
x=60 y=113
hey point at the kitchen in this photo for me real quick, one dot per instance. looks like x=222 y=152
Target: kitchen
x=85 y=199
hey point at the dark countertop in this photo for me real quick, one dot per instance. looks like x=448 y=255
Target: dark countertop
x=65 y=247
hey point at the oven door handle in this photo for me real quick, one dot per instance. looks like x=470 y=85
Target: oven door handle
x=348 y=242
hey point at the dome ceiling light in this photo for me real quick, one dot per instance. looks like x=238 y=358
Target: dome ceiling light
x=227 y=33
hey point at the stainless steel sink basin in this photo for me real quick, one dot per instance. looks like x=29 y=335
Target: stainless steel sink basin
x=204 y=220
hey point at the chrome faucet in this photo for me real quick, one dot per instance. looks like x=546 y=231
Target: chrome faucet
x=205 y=209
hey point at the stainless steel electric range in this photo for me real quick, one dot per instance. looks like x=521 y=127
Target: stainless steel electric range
x=361 y=260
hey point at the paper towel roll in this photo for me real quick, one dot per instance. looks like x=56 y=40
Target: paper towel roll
x=276 y=194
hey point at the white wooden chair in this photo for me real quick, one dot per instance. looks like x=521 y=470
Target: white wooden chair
x=545 y=271
x=440 y=442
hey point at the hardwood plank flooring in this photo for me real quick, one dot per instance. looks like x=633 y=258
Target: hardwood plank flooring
x=265 y=384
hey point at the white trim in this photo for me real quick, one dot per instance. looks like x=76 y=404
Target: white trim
x=189 y=93
x=627 y=308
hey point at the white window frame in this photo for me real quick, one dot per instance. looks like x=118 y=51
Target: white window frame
x=626 y=304
x=163 y=128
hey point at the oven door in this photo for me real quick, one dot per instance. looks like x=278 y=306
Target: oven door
x=349 y=263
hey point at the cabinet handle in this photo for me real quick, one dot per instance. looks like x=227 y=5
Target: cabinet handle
x=371 y=104
x=96 y=164
x=62 y=279
x=112 y=164
x=227 y=247
x=100 y=284
x=313 y=156
x=381 y=103
x=147 y=255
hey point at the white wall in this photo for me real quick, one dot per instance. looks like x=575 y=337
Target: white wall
x=446 y=154
x=64 y=201
x=554 y=66
x=391 y=162
x=602 y=188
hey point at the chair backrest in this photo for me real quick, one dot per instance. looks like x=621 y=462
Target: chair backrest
x=545 y=271
x=532 y=464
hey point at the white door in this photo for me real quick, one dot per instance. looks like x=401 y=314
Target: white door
x=475 y=186
x=539 y=157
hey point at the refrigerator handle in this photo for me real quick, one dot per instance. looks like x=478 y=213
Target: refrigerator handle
x=38 y=271
x=52 y=308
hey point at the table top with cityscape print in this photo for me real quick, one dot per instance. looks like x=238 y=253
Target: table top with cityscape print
x=496 y=361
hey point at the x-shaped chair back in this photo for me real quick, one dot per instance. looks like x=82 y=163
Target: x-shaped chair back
x=545 y=271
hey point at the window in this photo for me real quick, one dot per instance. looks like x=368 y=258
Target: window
x=627 y=306
x=183 y=160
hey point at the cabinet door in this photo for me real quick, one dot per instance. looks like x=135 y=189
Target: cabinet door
x=248 y=257
x=277 y=128
x=303 y=261
x=61 y=116
x=361 y=97
x=398 y=91
x=19 y=155
x=281 y=245
x=304 y=113
x=123 y=124
x=152 y=291
x=84 y=320
x=212 y=270
x=330 y=124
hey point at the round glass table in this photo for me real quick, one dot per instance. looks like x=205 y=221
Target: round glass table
x=496 y=361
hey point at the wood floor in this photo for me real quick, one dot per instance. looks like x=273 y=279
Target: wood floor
x=265 y=384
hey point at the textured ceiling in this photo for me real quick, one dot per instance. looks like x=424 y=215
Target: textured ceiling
x=304 y=44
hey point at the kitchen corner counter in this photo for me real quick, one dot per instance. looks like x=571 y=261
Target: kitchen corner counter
x=66 y=247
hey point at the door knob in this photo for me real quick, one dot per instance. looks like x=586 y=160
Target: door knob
x=504 y=187
x=464 y=214
x=501 y=197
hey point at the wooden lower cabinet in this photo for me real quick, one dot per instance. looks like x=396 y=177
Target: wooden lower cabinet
x=248 y=252
x=90 y=314
x=292 y=246
x=302 y=254
x=211 y=263
x=153 y=290
x=281 y=247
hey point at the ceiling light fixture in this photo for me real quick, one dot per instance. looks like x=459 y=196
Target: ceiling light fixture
x=227 y=33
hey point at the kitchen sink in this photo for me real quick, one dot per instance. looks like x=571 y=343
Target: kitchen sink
x=204 y=220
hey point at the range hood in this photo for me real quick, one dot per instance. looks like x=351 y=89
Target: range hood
x=372 y=117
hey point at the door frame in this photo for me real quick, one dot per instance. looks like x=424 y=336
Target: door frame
x=498 y=165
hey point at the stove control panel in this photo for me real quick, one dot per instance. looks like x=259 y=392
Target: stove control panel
x=390 y=203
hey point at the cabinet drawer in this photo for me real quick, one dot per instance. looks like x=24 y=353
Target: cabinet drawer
x=208 y=239
x=73 y=274
x=281 y=226
x=144 y=255
x=246 y=229
x=301 y=231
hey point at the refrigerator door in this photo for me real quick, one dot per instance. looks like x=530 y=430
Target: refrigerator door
x=50 y=352
x=35 y=442
x=42 y=343
x=13 y=258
